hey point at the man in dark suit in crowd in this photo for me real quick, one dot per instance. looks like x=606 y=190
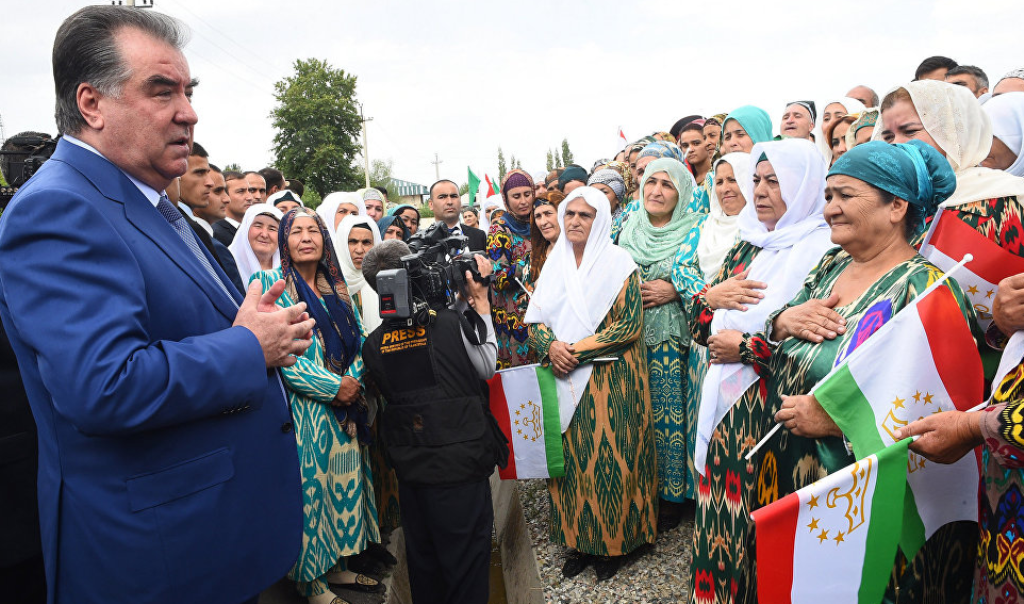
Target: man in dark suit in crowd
x=240 y=197
x=167 y=461
x=447 y=207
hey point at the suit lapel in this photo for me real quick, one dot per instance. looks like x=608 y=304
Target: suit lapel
x=114 y=185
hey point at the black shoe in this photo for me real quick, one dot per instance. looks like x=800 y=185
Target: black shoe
x=380 y=554
x=364 y=563
x=606 y=566
x=575 y=563
x=670 y=514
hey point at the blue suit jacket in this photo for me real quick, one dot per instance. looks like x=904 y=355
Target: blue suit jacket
x=167 y=464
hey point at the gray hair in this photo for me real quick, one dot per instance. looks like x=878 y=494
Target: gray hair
x=86 y=50
x=975 y=72
x=384 y=256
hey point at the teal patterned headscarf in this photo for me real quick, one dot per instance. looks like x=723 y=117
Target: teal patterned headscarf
x=648 y=244
x=913 y=171
x=755 y=121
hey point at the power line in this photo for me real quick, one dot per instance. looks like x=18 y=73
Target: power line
x=221 y=32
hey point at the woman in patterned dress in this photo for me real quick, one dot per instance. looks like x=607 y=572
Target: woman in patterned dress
x=330 y=415
x=653 y=238
x=508 y=242
x=877 y=204
x=782 y=235
x=698 y=261
x=587 y=306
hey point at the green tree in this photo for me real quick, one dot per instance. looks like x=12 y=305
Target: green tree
x=233 y=167
x=318 y=126
x=464 y=188
x=550 y=162
x=566 y=153
x=380 y=174
x=558 y=160
x=502 y=168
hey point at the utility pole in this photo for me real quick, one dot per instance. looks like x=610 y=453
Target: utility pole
x=366 y=149
x=437 y=162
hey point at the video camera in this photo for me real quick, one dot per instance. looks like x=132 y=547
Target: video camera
x=431 y=276
x=20 y=158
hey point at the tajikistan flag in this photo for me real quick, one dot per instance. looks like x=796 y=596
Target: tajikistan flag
x=834 y=540
x=524 y=400
x=921 y=362
x=949 y=239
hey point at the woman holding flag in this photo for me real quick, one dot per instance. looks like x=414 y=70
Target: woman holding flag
x=586 y=321
x=878 y=197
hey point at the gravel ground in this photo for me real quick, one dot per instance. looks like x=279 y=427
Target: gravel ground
x=651 y=575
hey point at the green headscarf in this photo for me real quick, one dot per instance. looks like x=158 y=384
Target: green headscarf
x=648 y=244
x=755 y=121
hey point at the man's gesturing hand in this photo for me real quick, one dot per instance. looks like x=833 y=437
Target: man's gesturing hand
x=282 y=332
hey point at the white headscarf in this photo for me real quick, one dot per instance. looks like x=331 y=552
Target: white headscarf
x=955 y=120
x=572 y=300
x=246 y=260
x=329 y=206
x=787 y=255
x=369 y=311
x=720 y=232
x=852 y=107
x=1007 y=114
x=494 y=201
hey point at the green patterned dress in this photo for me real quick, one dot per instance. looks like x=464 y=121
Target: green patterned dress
x=339 y=514
x=667 y=336
x=723 y=564
x=795 y=462
x=606 y=504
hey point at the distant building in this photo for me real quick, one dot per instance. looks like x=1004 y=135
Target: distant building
x=403 y=191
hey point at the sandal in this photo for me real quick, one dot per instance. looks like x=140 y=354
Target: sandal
x=363 y=583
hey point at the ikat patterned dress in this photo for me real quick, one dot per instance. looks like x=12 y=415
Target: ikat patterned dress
x=723 y=562
x=338 y=508
x=506 y=249
x=942 y=570
x=606 y=504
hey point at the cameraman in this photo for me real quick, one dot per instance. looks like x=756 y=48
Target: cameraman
x=438 y=431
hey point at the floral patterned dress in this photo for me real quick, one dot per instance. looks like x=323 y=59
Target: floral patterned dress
x=606 y=504
x=506 y=249
x=723 y=562
x=942 y=569
x=338 y=508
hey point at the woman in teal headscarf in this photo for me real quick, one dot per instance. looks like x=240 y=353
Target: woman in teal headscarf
x=409 y=215
x=653 y=237
x=744 y=128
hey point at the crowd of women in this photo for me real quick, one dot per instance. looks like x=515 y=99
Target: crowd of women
x=690 y=291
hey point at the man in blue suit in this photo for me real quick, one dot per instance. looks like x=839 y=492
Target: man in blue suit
x=167 y=460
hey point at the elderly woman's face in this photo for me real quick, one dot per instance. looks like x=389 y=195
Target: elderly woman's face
x=344 y=209
x=796 y=122
x=727 y=189
x=735 y=138
x=263 y=236
x=470 y=219
x=901 y=123
x=833 y=111
x=545 y=216
x=520 y=200
x=660 y=196
x=838 y=142
x=713 y=136
x=305 y=243
x=613 y=199
x=857 y=215
x=360 y=241
x=393 y=232
x=768 y=196
x=579 y=219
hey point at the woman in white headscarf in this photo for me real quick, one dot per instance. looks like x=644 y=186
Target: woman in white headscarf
x=586 y=319
x=951 y=120
x=337 y=206
x=1007 y=114
x=355 y=236
x=782 y=236
x=255 y=245
x=699 y=262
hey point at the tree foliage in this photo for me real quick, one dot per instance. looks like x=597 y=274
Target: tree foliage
x=502 y=168
x=318 y=126
x=232 y=167
x=566 y=153
x=550 y=162
x=380 y=174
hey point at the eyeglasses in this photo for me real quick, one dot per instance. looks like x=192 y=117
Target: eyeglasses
x=448 y=196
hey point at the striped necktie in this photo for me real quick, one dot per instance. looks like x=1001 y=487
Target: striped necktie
x=184 y=231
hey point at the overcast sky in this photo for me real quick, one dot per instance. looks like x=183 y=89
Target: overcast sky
x=461 y=78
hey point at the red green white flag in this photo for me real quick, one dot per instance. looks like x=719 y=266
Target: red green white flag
x=922 y=361
x=948 y=239
x=524 y=400
x=834 y=540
